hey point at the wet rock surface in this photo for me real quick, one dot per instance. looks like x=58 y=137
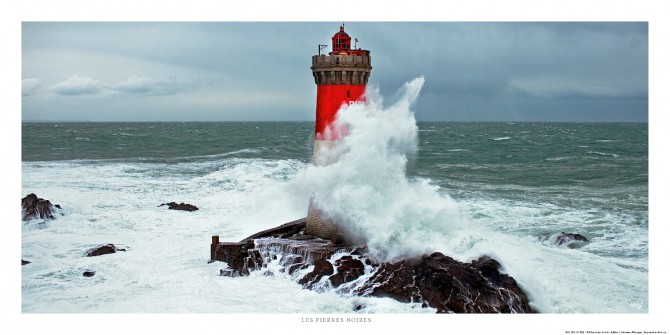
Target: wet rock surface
x=570 y=240
x=566 y=240
x=181 y=206
x=241 y=258
x=449 y=286
x=348 y=269
x=34 y=207
x=434 y=280
x=103 y=250
x=322 y=268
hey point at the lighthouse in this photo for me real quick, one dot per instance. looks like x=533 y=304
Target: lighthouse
x=340 y=77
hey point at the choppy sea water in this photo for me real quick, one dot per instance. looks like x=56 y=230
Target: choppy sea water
x=465 y=189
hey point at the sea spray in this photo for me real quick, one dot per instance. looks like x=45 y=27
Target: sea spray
x=366 y=189
x=253 y=179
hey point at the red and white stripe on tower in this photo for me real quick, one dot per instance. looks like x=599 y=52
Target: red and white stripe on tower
x=341 y=77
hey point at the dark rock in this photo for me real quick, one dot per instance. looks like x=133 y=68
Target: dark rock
x=348 y=269
x=103 y=250
x=250 y=244
x=296 y=267
x=488 y=267
x=24 y=262
x=37 y=208
x=292 y=263
x=302 y=237
x=89 y=273
x=240 y=258
x=286 y=230
x=570 y=240
x=435 y=280
x=359 y=251
x=392 y=280
x=449 y=286
x=182 y=206
x=310 y=249
x=322 y=268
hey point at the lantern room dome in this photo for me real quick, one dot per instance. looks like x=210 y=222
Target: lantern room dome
x=341 y=41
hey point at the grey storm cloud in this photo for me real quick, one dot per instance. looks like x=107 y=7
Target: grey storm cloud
x=82 y=85
x=146 y=85
x=78 y=85
x=136 y=84
x=474 y=71
x=30 y=85
x=564 y=88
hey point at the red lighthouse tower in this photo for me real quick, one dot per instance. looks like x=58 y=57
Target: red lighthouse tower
x=341 y=77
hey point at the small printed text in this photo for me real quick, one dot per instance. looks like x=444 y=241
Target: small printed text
x=335 y=320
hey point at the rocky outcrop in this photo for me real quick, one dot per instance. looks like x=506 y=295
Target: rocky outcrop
x=348 y=269
x=34 y=207
x=182 y=206
x=434 y=280
x=241 y=258
x=286 y=230
x=448 y=285
x=570 y=240
x=322 y=268
x=103 y=250
x=24 y=262
x=89 y=273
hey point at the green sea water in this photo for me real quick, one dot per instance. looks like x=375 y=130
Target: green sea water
x=527 y=182
x=604 y=163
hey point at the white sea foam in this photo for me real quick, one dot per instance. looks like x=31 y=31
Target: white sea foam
x=367 y=191
x=603 y=154
x=366 y=188
x=164 y=268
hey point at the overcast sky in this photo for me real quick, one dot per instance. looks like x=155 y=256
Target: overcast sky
x=260 y=71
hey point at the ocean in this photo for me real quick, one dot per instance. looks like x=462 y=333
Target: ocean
x=465 y=189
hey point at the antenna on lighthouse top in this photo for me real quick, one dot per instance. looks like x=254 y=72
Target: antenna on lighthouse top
x=321 y=47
